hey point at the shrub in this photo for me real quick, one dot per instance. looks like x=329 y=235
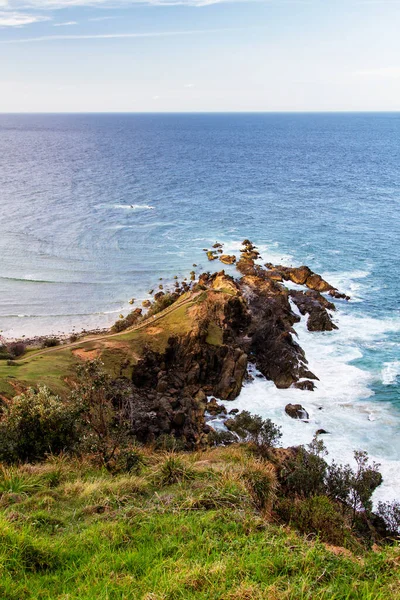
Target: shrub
x=317 y=515
x=51 y=342
x=4 y=352
x=162 y=303
x=253 y=428
x=17 y=349
x=221 y=438
x=104 y=430
x=36 y=423
x=390 y=513
x=305 y=476
x=131 y=319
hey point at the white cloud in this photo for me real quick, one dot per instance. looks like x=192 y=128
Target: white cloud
x=17 y=19
x=111 y=36
x=382 y=72
x=55 y=4
x=189 y=85
x=67 y=23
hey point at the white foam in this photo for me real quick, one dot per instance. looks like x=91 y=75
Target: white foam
x=390 y=372
x=269 y=252
x=127 y=206
x=342 y=402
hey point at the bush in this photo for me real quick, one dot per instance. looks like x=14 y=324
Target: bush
x=4 y=352
x=167 y=442
x=104 y=431
x=131 y=319
x=17 y=349
x=162 y=303
x=390 y=513
x=37 y=423
x=305 y=476
x=51 y=342
x=317 y=515
x=221 y=438
x=253 y=428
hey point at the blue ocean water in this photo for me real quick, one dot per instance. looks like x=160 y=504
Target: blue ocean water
x=95 y=208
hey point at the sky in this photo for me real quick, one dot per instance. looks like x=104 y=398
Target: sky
x=199 y=55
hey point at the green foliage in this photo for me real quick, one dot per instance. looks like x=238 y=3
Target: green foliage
x=162 y=303
x=306 y=475
x=167 y=442
x=390 y=513
x=97 y=535
x=51 y=342
x=12 y=481
x=131 y=319
x=37 y=423
x=253 y=428
x=173 y=470
x=4 y=352
x=261 y=481
x=221 y=438
x=104 y=432
x=317 y=514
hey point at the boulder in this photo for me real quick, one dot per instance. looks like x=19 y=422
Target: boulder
x=296 y=411
x=305 y=385
x=214 y=408
x=146 y=303
x=227 y=259
x=315 y=282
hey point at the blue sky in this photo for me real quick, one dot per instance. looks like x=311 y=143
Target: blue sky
x=199 y=55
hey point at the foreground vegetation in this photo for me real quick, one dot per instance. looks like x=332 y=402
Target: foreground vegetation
x=177 y=526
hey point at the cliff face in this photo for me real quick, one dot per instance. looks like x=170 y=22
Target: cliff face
x=233 y=321
x=197 y=341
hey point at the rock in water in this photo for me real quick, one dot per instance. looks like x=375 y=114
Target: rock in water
x=296 y=411
x=227 y=259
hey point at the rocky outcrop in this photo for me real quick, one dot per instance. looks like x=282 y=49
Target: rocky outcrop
x=296 y=411
x=227 y=259
x=232 y=321
x=315 y=305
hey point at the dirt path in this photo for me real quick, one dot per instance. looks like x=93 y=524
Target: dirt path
x=146 y=323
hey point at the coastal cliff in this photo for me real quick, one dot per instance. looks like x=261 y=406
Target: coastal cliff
x=196 y=341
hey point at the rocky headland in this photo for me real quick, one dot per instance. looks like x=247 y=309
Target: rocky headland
x=234 y=320
x=193 y=341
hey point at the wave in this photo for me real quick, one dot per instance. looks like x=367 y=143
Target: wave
x=48 y=281
x=390 y=372
x=50 y=316
x=343 y=402
x=127 y=206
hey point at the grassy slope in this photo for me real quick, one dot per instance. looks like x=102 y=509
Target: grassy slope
x=55 y=366
x=70 y=532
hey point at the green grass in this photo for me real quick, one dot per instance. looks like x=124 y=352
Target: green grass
x=55 y=368
x=185 y=527
x=51 y=369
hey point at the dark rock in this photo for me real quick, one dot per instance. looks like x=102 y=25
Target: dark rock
x=321 y=432
x=214 y=408
x=234 y=411
x=313 y=303
x=304 y=385
x=296 y=411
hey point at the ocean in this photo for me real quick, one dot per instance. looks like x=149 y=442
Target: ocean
x=96 y=208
